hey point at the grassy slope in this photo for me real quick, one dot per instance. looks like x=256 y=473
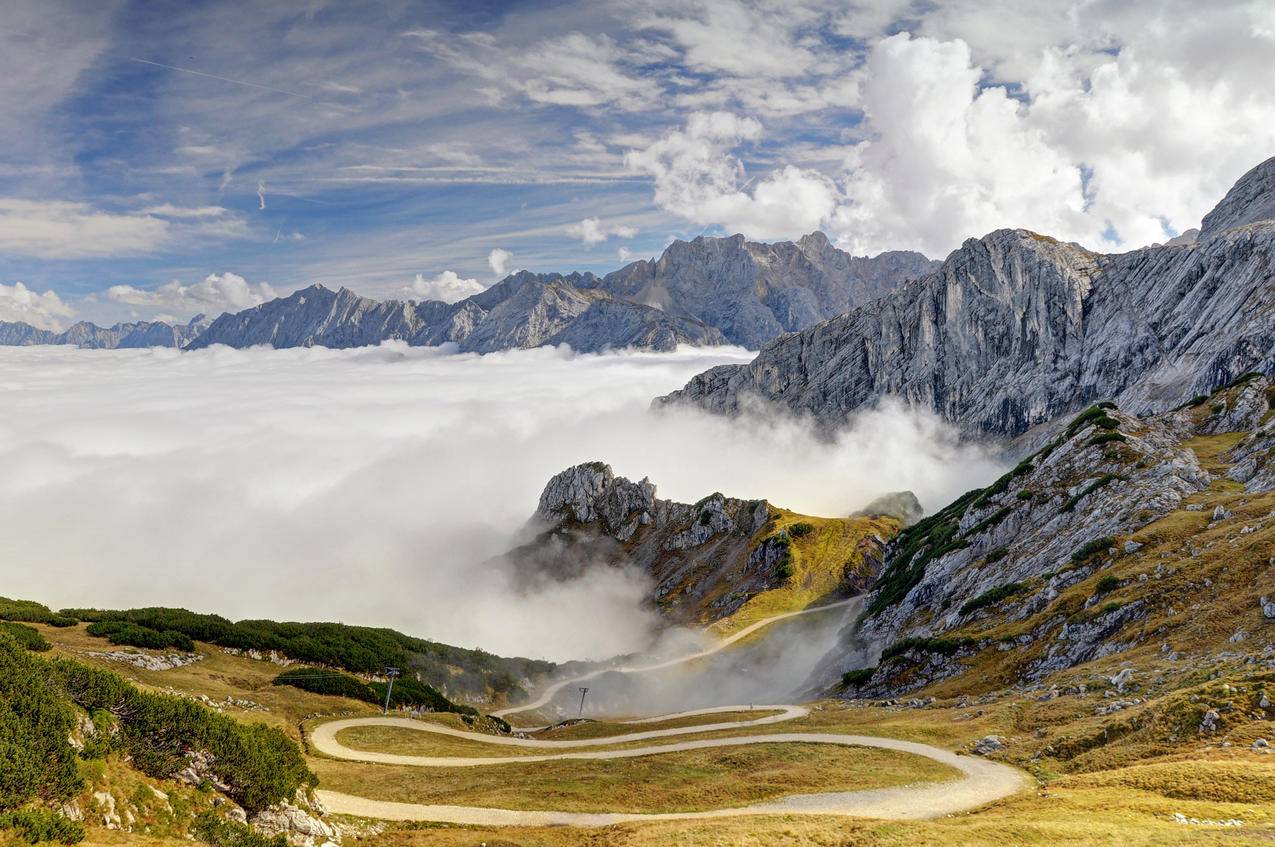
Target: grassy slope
x=821 y=563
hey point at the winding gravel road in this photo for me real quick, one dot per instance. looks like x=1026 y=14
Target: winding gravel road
x=983 y=781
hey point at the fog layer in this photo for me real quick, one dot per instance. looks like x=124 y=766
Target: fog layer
x=374 y=486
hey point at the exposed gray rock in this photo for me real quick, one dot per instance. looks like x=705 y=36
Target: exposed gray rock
x=92 y=336
x=754 y=292
x=1250 y=200
x=988 y=744
x=1268 y=607
x=1016 y=329
x=522 y=311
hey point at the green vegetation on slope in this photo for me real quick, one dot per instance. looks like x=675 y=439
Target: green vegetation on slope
x=358 y=649
x=406 y=691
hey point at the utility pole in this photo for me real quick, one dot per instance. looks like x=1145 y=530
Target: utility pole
x=583 y=692
x=391 y=673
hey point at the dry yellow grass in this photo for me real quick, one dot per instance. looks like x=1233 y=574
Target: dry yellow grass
x=684 y=781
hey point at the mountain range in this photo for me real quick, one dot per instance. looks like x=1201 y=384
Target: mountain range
x=92 y=336
x=1016 y=329
x=708 y=291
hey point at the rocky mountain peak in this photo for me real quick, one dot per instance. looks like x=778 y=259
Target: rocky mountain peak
x=1250 y=200
x=591 y=493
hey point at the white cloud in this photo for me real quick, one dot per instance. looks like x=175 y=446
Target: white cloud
x=499 y=260
x=697 y=177
x=593 y=231
x=216 y=293
x=168 y=210
x=19 y=303
x=58 y=229
x=447 y=286
x=216 y=465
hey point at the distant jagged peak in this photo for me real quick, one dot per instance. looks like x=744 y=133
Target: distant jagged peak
x=1250 y=200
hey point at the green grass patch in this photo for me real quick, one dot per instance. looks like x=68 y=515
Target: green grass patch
x=1087 y=550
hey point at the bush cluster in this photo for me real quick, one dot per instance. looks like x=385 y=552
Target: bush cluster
x=135 y=635
x=407 y=691
x=28 y=636
x=259 y=764
x=358 y=649
x=942 y=646
x=28 y=611
x=1091 y=548
x=217 y=831
x=857 y=676
x=1070 y=503
x=36 y=758
x=38 y=825
x=801 y=529
x=993 y=596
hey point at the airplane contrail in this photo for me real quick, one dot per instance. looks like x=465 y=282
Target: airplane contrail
x=221 y=78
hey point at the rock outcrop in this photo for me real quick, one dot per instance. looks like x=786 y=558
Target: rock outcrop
x=92 y=336
x=705 y=560
x=1017 y=329
x=1250 y=200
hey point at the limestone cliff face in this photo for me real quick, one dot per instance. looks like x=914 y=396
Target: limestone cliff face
x=754 y=291
x=1016 y=329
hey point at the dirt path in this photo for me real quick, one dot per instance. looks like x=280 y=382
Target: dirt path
x=984 y=781
x=549 y=693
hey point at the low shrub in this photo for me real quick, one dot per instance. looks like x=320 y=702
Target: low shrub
x=992 y=596
x=1244 y=378
x=1107 y=584
x=1090 y=548
x=37 y=825
x=1105 y=479
x=801 y=529
x=996 y=555
x=1105 y=438
x=942 y=646
x=134 y=635
x=989 y=522
x=259 y=764
x=213 y=829
x=857 y=676
x=1026 y=494
x=408 y=691
x=28 y=636
x=37 y=761
x=28 y=611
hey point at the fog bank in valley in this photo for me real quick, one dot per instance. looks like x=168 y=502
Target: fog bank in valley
x=374 y=486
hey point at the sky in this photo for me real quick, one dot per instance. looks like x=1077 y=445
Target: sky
x=162 y=159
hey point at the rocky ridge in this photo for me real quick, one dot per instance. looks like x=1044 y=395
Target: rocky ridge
x=91 y=336
x=706 y=560
x=1093 y=547
x=1016 y=329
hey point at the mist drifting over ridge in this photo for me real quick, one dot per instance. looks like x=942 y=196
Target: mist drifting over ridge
x=376 y=485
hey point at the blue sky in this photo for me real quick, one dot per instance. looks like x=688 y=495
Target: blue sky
x=164 y=158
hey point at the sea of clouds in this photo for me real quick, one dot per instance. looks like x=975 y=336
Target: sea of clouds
x=379 y=485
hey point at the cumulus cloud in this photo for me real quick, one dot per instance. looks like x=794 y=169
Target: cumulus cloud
x=230 y=483
x=19 y=303
x=216 y=293
x=58 y=229
x=447 y=286
x=1106 y=131
x=697 y=176
x=594 y=231
x=498 y=259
